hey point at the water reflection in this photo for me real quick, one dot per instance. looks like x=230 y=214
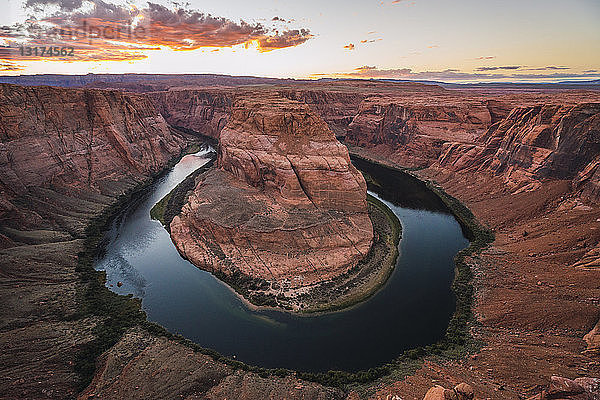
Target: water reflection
x=412 y=309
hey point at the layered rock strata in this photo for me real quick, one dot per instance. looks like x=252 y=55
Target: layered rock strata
x=66 y=154
x=535 y=143
x=285 y=208
x=414 y=133
x=58 y=143
x=537 y=293
x=201 y=111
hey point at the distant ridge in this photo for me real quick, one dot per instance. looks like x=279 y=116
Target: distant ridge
x=164 y=81
x=590 y=84
x=83 y=80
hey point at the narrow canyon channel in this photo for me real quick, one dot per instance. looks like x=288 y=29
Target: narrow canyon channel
x=413 y=308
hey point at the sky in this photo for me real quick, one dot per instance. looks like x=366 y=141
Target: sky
x=451 y=41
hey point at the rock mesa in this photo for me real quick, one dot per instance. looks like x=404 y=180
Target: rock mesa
x=285 y=207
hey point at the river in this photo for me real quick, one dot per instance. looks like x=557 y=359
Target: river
x=412 y=309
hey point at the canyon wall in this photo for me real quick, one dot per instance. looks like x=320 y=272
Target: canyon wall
x=206 y=110
x=66 y=154
x=136 y=82
x=421 y=126
x=535 y=143
x=74 y=140
x=286 y=206
x=413 y=134
x=337 y=108
x=281 y=145
x=69 y=153
x=203 y=111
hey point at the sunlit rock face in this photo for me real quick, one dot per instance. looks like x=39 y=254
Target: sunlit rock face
x=75 y=142
x=535 y=143
x=413 y=131
x=285 y=204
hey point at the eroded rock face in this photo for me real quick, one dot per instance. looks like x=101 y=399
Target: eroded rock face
x=280 y=145
x=141 y=366
x=335 y=107
x=462 y=391
x=75 y=140
x=533 y=143
x=66 y=154
x=566 y=389
x=285 y=207
x=203 y=111
x=592 y=339
x=415 y=133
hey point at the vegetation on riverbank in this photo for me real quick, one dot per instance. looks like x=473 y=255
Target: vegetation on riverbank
x=373 y=271
x=457 y=341
x=112 y=314
x=170 y=205
x=115 y=314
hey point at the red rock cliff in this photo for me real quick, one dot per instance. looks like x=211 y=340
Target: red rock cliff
x=535 y=143
x=203 y=111
x=285 y=206
x=337 y=108
x=413 y=131
x=65 y=155
x=86 y=140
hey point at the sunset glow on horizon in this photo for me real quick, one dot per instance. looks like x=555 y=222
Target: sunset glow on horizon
x=463 y=41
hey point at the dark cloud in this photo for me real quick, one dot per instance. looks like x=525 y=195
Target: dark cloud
x=514 y=67
x=109 y=31
x=68 y=5
x=550 y=68
x=508 y=67
x=556 y=75
x=188 y=30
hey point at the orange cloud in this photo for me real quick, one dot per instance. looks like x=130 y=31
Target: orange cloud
x=283 y=40
x=9 y=67
x=114 y=32
x=366 y=41
x=365 y=68
x=349 y=46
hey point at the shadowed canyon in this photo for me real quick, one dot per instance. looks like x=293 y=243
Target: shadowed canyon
x=281 y=214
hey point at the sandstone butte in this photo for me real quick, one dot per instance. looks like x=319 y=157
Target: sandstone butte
x=285 y=205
